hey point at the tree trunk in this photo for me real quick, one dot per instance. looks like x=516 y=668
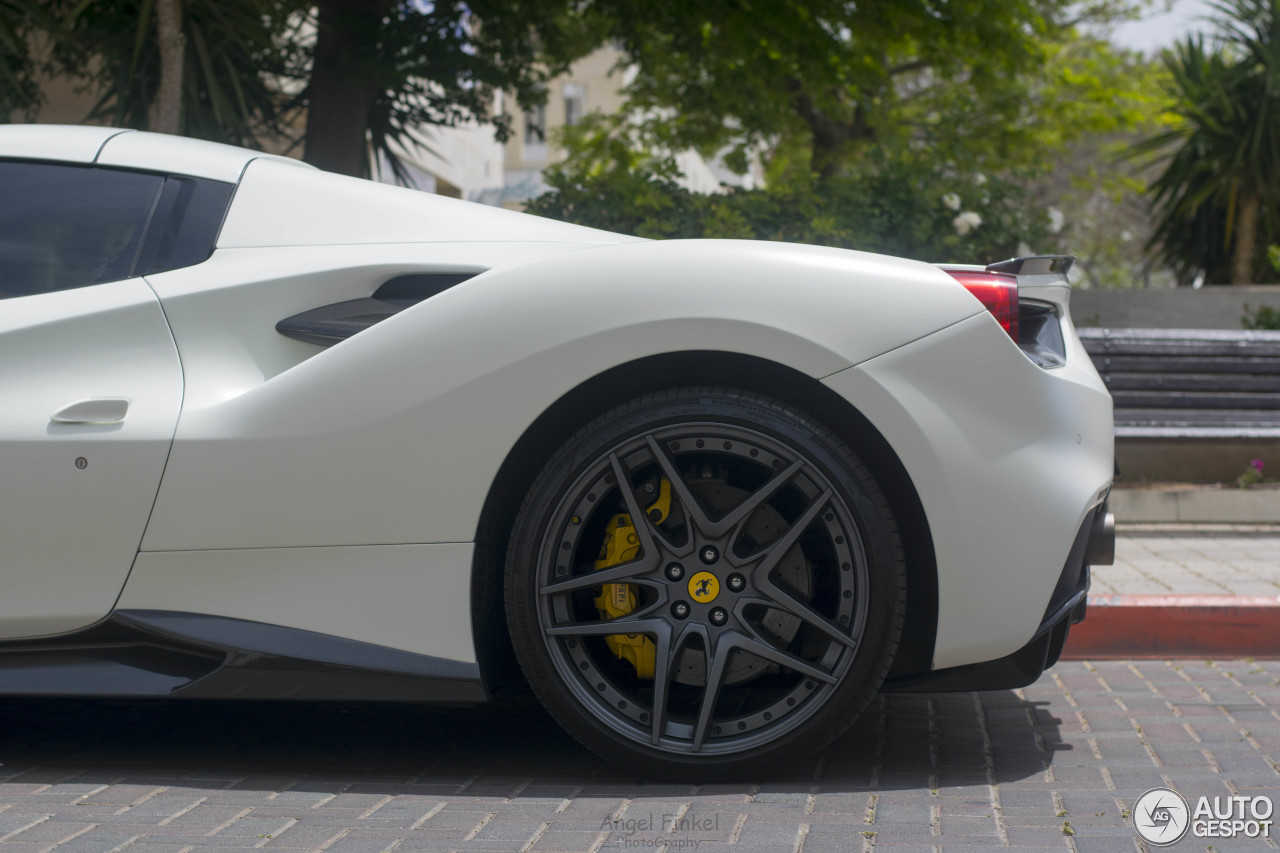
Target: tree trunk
x=166 y=109
x=344 y=84
x=824 y=157
x=1246 y=239
x=831 y=141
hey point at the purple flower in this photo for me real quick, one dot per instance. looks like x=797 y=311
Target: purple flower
x=1257 y=465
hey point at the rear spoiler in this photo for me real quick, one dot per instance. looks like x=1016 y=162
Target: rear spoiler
x=1042 y=277
x=1034 y=265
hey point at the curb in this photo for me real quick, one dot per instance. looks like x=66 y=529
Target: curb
x=1203 y=504
x=1165 y=626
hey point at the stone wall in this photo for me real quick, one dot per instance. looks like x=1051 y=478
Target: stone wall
x=1169 y=308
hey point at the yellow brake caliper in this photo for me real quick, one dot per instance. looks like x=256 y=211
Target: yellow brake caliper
x=619 y=599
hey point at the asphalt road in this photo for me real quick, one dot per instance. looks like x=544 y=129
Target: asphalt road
x=1056 y=766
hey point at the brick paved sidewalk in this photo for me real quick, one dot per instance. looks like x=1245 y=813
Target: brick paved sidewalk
x=1193 y=559
x=1053 y=767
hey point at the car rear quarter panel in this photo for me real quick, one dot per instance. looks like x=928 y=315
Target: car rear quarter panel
x=1007 y=459
x=395 y=435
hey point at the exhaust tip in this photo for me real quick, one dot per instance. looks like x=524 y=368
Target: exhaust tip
x=1102 y=539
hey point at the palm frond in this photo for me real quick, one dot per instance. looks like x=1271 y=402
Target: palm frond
x=1226 y=91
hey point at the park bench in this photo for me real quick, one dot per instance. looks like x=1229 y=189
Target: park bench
x=1190 y=383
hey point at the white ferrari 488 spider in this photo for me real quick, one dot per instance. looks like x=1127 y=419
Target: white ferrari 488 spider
x=272 y=433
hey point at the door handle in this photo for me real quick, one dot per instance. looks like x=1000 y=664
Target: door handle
x=97 y=410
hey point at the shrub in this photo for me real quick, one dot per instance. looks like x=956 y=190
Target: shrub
x=890 y=204
x=1262 y=317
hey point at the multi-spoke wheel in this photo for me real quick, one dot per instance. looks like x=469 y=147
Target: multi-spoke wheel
x=704 y=581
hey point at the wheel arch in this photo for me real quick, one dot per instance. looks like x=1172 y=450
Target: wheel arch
x=499 y=669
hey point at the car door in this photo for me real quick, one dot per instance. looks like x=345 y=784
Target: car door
x=90 y=390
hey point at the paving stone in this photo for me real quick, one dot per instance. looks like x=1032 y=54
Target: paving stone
x=778 y=834
x=303 y=835
x=49 y=832
x=1199 y=560
x=122 y=794
x=449 y=819
x=11 y=824
x=512 y=830
x=255 y=827
x=163 y=806
x=95 y=842
x=362 y=845
x=566 y=840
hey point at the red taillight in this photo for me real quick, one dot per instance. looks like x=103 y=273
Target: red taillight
x=997 y=291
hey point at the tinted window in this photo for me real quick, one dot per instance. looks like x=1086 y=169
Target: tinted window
x=69 y=226
x=185 y=225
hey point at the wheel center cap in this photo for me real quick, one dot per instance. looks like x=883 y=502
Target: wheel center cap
x=704 y=587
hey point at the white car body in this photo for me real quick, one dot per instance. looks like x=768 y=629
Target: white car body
x=340 y=490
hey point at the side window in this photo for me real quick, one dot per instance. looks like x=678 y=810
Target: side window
x=72 y=226
x=185 y=225
x=69 y=226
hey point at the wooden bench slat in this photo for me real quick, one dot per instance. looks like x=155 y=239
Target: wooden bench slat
x=1261 y=336
x=1208 y=382
x=1190 y=383
x=1196 y=417
x=1195 y=400
x=1197 y=349
x=1215 y=432
x=1182 y=364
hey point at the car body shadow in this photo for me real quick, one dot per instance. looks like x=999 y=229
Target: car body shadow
x=903 y=741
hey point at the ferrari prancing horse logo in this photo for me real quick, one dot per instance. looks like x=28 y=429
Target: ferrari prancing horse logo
x=704 y=587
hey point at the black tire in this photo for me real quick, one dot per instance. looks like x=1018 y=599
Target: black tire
x=772 y=520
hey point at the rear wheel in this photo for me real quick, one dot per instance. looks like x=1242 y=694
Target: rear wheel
x=703 y=582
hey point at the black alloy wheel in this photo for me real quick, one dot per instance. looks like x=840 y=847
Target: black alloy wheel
x=703 y=582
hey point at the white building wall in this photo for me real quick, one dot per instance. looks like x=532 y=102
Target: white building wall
x=467 y=162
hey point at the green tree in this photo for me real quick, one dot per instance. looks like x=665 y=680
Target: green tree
x=1217 y=200
x=1041 y=136
x=1094 y=106
x=843 y=77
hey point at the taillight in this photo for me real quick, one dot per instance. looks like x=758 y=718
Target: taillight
x=997 y=291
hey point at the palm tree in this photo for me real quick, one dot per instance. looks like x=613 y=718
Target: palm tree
x=18 y=89
x=166 y=109
x=197 y=67
x=1219 y=193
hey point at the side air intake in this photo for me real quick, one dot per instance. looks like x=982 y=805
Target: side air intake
x=329 y=324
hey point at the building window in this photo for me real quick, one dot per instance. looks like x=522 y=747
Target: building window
x=535 y=125
x=575 y=103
